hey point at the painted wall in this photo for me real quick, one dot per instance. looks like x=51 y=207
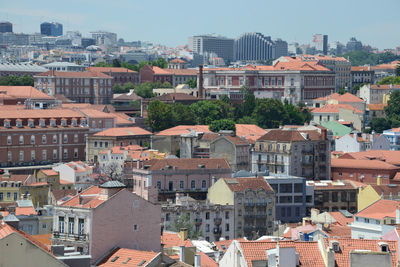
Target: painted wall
x=366 y=196
x=219 y=193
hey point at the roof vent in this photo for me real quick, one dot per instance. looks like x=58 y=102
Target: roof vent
x=335 y=246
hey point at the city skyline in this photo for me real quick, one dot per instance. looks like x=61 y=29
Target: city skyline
x=171 y=23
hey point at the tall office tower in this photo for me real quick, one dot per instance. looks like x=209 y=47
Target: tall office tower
x=104 y=38
x=320 y=42
x=353 y=45
x=206 y=44
x=281 y=48
x=51 y=29
x=5 y=26
x=254 y=47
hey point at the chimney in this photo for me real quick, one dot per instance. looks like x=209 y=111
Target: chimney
x=213 y=180
x=182 y=255
x=200 y=85
x=183 y=233
x=197 y=260
x=379 y=180
x=324 y=134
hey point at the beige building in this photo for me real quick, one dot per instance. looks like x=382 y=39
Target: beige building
x=377 y=94
x=254 y=202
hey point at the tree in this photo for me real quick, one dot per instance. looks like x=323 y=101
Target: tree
x=118 y=89
x=116 y=63
x=160 y=62
x=13 y=80
x=379 y=124
x=224 y=124
x=113 y=170
x=102 y=64
x=183 y=115
x=144 y=90
x=246 y=120
x=206 y=111
x=192 y=83
x=249 y=103
x=397 y=70
x=269 y=113
x=225 y=99
x=159 y=116
x=393 y=105
x=293 y=115
x=184 y=222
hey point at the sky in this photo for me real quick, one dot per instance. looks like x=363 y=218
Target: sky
x=171 y=22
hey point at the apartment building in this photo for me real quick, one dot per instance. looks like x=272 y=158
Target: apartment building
x=173 y=76
x=119 y=75
x=159 y=179
x=208 y=44
x=33 y=137
x=303 y=152
x=101 y=218
x=211 y=221
x=377 y=94
x=362 y=75
x=254 y=203
x=81 y=87
x=294 y=81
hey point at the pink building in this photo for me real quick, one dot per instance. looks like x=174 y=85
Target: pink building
x=159 y=179
x=101 y=218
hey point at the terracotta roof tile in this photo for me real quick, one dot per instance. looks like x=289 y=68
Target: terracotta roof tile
x=128 y=257
x=173 y=239
x=290 y=135
x=385 y=86
x=241 y=184
x=88 y=198
x=123 y=131
x=362 y=164
x=380 y=209
x=206 y=261
x=348 y=245
x=61 y=193
x=110 y=69
x=178 y=60
x=49 y=172
x=14 y=178
x=74 y=74
x=388 y=156
x=24 y=92
x=347 y=97
x=308 y=251
x=334 y=108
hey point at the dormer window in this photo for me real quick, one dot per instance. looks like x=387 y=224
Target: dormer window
x=335 y=246
x=83 y=121
x=74 y=122
x=63 y=122
x=42 y=123
x=31 y=123
x=7 y=123
x=383 y=246
x=53 y=122
x=18 y=123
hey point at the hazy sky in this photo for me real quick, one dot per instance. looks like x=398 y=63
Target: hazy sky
x=171 y=22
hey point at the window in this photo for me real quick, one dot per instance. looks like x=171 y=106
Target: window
x=227 y=215
x=181 y=184
x=54 y=139
x=75 y=153
x=61 y=224
x=81 y=226
x=44 y=139
x=207 y=215
x=335 y=197
x=65 y=154
x=207 y=228
x=227 y=227
x=135 y=227
x=15 y=196
x=9 y=140
x=9 y=156
x=204 y=184
x=105 y=144
x=340 y=174
x=21 y=139
x=159 y=184
x=366 y=220
x=193 y=184
x=71 y=226
x=95 y=144
x=54 y=153
x=21 y=155
x=65 y=138
x=240 y=212
x=1 y=196
x=33 y=155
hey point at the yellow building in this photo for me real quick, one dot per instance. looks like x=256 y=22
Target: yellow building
x=10 y=187
x=366 y=196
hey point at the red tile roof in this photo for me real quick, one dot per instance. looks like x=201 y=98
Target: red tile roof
x=347 y=97
x=74 y=74
x=110 y=69
x=49 y=172
x=14 y=178
x=380 y=209
x=388 y=156
x=377 y=107
x=206 y=261
x=184 y=129
x=334 y=108
x=362 y=164
x=89 y=198
x=178 y=60
x=187 y=164
x=290 y=135
x=24 y=92
x=241 y=184
x=342 y=258
x=128 y=257
x=38 y=113
x=308 y=251
x=385 y=86
x=360 y=68
x=123 y=131
x=173 y=239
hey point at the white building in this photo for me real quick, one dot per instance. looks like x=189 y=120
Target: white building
x=76 y=172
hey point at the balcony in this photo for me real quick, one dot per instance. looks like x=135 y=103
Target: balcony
x=217 y=231
x=249 y=204
x=198 y=221
x=217 y=221
x=70 y=237
x=261 y=204
x=261 y=215
x=249 y=215
x=248 y=228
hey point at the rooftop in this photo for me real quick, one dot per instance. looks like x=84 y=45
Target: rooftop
x=23 y=92
x=73 y=74
x=110 y=70
x=241 y=184
x=388 y=156
x=347 y=97
x=380 y=209
x=128 y=257
x=123 y=131
x=290 y=135
x=173 y=239
x=22 y=67
x=186 y=164
x=334 y=108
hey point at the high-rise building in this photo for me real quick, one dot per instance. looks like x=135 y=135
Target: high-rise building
x=281 y=48
x=353 y=45
x=206 y=44
x=6 y=26
x=321 y=43
x=104 y=38
x=254 y=46
x=51 y=29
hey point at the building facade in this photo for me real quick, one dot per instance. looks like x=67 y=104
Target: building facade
x=51 y=29
x=81 y=87
x=206 y=44
x=254 y=47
